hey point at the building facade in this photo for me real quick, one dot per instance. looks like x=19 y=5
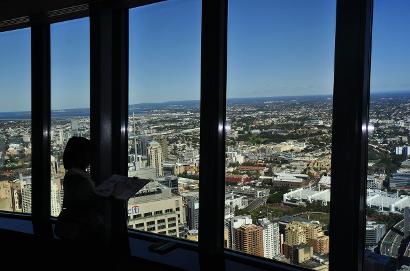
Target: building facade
x=249 y=239
x=155 y=157
x=156 y=209
x=271 y=241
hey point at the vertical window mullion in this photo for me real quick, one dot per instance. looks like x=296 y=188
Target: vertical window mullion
x=101 y=91
x=120 y=86
x=109 y=45
x=349 y=145
x=120 y=119
x=40 y=102
x=212 y=127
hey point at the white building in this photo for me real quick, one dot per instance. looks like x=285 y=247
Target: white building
x=233 y=201
x=26 y=198
x=325 y=182
x=374 y=233
x=234 y=157
x=56 y=203
x=271 y=240
x=156 y=209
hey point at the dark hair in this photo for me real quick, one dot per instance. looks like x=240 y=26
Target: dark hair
x=77 y=153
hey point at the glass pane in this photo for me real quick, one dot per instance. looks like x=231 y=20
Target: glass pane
x=15 y=121
x=70 y=96
x=388 y=176
x=163 y=142
x=279 y=118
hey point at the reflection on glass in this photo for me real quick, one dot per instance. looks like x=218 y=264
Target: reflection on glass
x=70 y=96
x=15 y=121
x=388 y=176
x=279 y=114
x=163 y=142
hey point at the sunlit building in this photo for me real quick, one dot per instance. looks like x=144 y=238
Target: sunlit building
x=155 y=157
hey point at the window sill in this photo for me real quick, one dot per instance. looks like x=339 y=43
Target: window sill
x=16 y=222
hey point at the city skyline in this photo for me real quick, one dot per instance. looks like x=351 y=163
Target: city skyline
x=170 y=102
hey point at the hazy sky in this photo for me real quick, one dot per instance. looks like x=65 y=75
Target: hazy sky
x=275 y=48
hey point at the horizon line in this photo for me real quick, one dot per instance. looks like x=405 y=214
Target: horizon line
x=233 y=98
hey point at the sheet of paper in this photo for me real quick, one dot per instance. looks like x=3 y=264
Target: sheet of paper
x=121 y=187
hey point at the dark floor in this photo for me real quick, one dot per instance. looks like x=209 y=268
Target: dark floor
x=23 y=251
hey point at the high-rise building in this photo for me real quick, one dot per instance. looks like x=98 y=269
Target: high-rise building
x=316 y=238
x=55 y=198
x=54 y=165
x=295 y=234
x=227 y=239
x=26 y=198
x=164 y=146
x=271 y=242
x=249 y=239
x=155 y=157
x=234 y=223
x=192 y=209
x=141 y=145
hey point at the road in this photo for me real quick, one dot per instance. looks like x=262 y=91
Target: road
x=392 y=240
x=256 y=203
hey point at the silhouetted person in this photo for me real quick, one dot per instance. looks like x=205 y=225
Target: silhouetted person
x=81 y=222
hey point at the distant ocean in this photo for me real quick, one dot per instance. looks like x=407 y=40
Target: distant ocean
x=144 y=108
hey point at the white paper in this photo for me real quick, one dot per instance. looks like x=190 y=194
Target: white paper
x=120 y=187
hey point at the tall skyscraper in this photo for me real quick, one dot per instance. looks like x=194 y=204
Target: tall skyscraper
x=192 y=209
x=155 y=157
x=249 y=239
x=271 y=242
x=235 y=223
x=26 y=198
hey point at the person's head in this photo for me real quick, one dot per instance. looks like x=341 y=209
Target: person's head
x=77 y=153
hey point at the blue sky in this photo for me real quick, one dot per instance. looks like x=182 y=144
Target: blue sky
x=275 y=48
x=70 y=64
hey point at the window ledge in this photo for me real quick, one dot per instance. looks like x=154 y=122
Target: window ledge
x=16 y=222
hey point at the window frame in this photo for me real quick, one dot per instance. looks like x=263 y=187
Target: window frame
x=349 y=134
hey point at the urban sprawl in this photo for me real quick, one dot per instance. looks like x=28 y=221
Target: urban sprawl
x=277 y=182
